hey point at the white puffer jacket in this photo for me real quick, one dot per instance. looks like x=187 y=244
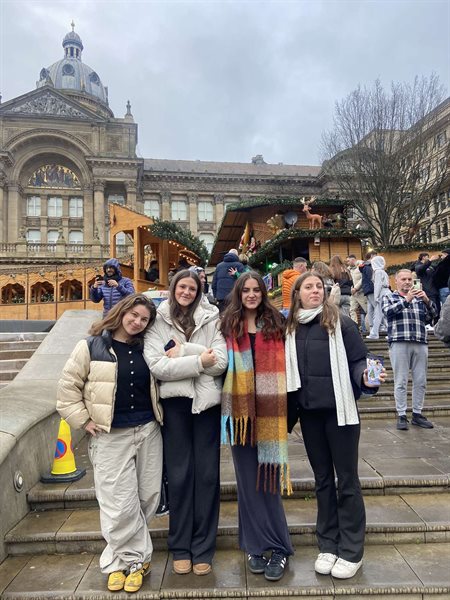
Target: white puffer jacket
x=87 y=389
x=185 y=375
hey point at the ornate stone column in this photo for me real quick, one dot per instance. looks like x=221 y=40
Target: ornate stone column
x=193 y=213
x=220 y=209
x=131 y=187
x=99 y=209
x=88 y=214
x=14 y=196
x=166 y=198
x=2 y=207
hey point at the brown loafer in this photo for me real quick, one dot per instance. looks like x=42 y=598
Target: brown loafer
x=181 y=567
x=202 y=569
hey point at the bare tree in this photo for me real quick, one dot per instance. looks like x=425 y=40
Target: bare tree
x=385 y=153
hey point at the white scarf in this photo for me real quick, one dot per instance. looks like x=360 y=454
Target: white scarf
x=347 y=413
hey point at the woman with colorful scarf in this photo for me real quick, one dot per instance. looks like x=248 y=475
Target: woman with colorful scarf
x=254 y=416
x=326 y=372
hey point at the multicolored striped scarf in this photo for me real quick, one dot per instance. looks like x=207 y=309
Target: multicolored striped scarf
x=254 y=406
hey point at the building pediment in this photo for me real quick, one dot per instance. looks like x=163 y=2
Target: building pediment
x=47 y=102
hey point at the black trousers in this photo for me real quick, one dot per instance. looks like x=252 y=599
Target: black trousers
x=192 y=454
x=341 y=516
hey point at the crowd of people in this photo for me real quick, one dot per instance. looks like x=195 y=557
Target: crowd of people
x=170 y=384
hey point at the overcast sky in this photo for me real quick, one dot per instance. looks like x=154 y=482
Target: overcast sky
x=223 y=80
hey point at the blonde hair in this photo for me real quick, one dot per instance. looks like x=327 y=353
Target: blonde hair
x=329 y=315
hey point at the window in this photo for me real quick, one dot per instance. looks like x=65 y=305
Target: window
x=54 y=208
x=424 y=173
x=208 y=239
x=34 y=236
x=75 y=237
x=438 y=230
x=441 y=138
x=34 y=206
x=205 y=211
x=151 y=208
x=179 y=212
x=117 y=198
x=75 y=207
x=444 y=229
x=52 y=236
x=121 y=240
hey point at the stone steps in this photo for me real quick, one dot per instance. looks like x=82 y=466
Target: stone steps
x=412 y=571
x=393 y=519
x=15 y=351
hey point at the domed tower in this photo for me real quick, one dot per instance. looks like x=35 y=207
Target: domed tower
x=75 y=78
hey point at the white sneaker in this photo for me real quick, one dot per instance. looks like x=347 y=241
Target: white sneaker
x=324 y=563
x=343 y=569
x=429 y=327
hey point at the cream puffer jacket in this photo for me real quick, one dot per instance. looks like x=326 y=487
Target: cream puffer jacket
x=185 y=375
x=87 y=387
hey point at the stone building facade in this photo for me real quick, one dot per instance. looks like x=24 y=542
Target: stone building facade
x=64 y=156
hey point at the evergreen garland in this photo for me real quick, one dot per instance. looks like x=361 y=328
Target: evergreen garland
x=283 y=201
x=170 y=231
x=271 y=245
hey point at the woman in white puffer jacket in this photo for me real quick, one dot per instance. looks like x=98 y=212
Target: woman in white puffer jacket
x=189 y=369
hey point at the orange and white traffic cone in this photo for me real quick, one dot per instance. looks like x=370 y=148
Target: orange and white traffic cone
x=64 y=468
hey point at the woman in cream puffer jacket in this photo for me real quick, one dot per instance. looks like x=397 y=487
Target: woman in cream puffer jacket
x=106 y=388
x=190 y=389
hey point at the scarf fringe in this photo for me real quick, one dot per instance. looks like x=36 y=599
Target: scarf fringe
x=278 y=477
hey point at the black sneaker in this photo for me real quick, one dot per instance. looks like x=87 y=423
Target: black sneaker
x=275 y=567
x=256 y=563
x=402 y=423
x=162 y=510
x=420 y=421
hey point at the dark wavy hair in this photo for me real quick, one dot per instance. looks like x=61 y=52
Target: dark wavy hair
x=184 y=320
x=113 y=319
x=330 y=312
x=233 y=317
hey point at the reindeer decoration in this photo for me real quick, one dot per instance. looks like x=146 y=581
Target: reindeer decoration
x=315 y=221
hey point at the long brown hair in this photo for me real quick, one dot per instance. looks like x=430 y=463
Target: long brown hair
x=338 y=269
x=329 y=315
x=233 y=318
x=184 y=320
x=113 y=319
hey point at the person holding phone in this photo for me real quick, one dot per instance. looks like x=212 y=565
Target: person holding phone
x=187 y=353
x=326 y=373
x=408 y=311
x=107 y=389
x=112 y=287
x=254 y=417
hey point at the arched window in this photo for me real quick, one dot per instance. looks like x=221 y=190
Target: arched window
x=13 y=293
x=70 y=290
x=42 y=291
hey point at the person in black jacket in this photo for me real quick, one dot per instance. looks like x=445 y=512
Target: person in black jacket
x=224 y=277
x=326 y=372
x=442 y=275
x=367 y=285
x=425 y=272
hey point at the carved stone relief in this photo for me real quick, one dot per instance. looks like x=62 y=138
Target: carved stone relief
x=48 y=104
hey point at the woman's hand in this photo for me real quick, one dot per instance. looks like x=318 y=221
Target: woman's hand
x=208 y=358
x=382 y=378
x=174 y=352
x=92 y=428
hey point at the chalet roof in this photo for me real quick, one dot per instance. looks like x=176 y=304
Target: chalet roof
x=228 y=168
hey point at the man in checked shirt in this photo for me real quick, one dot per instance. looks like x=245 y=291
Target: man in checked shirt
x=408 y=310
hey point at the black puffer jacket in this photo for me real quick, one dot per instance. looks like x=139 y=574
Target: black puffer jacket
x=314 y=365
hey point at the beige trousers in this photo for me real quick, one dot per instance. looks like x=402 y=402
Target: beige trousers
x=127 y=474
x=358 y=301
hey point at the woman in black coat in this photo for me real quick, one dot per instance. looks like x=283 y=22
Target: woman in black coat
x=326 y=372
